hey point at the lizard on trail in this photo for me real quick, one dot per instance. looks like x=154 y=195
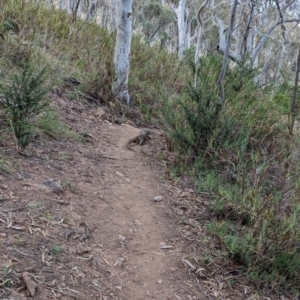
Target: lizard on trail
x=140 y=138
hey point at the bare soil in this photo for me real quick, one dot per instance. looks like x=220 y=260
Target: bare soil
x=78 y=220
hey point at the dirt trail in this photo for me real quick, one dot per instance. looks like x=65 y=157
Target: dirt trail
x=137 y=232
x=102 y=237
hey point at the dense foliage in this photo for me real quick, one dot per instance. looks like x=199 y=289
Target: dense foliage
x=242 y=155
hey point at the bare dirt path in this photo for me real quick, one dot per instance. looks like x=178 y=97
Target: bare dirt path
x=103 y=236
x=142 y=233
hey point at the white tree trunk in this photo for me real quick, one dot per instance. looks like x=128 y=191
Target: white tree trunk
x=200 y=31
x=91 y=10
x=122 y=50
x=281 y=58
x=238 y=34
x=114 y=9
x=108 y=14
x=222 y=43
x=104 y=14
x=181 y=25
x=226 y=52
x=268 y=32
x=79 y=11
x=62 y=4
x=70 y=6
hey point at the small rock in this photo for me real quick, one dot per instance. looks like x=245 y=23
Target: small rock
x=100 y=196
x=137 y=222
x=158 y=198
x=121 y=237
x=96 y=283
x=119 y=174
x=23 y=175
x=159 y=281
x=100 y=112
x=136 y=280
x=119 y=261
x=4 y=197
x=118 y=120
x=109 y=123
x=130 y=123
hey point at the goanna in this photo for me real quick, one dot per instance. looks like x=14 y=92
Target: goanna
x=140 y=138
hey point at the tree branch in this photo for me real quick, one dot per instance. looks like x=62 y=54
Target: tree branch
x=226 y=53
x=294 y=101
x=263 y=40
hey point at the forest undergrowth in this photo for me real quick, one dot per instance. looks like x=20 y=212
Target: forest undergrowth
x=244 y=157
x=241 y=154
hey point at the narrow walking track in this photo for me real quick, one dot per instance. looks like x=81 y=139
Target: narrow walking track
x=138 y=234
x=101 y=235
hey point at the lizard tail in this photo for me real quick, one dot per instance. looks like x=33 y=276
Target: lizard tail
x=128 y=146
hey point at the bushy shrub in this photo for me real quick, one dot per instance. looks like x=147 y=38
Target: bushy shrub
x=24 y=97
x=51 y=124
x=192 y=118
x=6 y=25
x=243 y=157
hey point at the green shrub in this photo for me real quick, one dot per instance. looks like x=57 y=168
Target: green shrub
x=244 y=158
x=193 y=118
x=50 y=124
x=24 y=98
x=267 y=246
x=7 y=25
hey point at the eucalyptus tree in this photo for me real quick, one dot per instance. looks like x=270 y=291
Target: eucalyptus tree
x=190 y=24
x=122 y=50
x=257 y=26
x=109 y=10
x=263 y=36
x=154 y=19
x=113 y=14
x=199 y=30
x=295 y=94
x=260 y=38
x=225 y=57
x=70 y=6
x=62 y=4
x=91 y=10
x=179 y=11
